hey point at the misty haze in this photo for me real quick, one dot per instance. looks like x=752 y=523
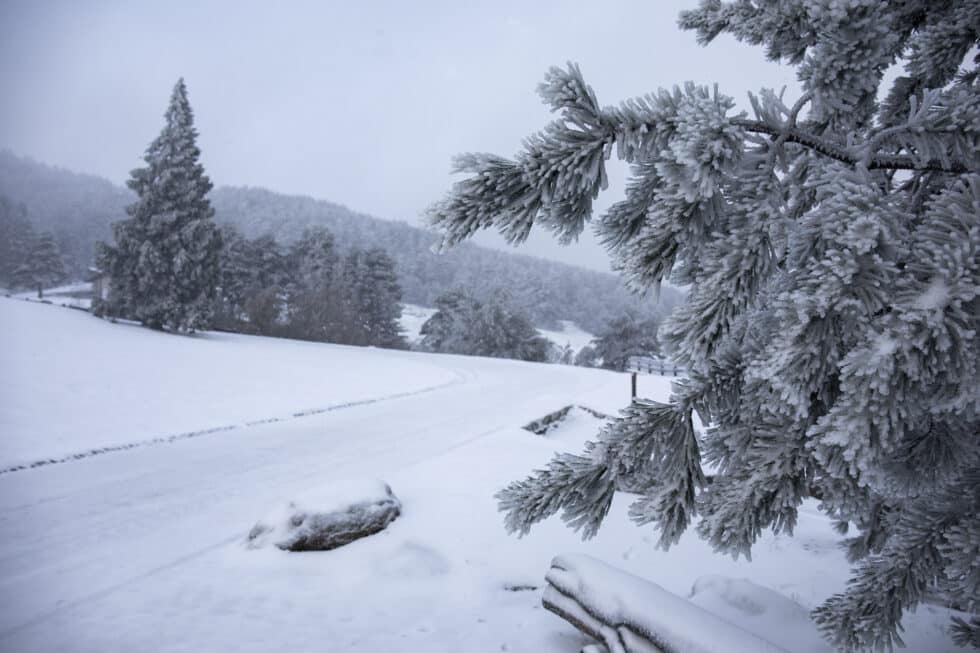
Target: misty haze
x=543 y=327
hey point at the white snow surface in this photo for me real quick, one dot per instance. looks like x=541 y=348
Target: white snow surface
x=144 y=549
x=412 y=319
x=758 y=610
x=72 y=382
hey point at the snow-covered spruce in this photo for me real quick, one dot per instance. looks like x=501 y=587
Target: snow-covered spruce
x=163 y=265
x=328 y=518
x=831 y=247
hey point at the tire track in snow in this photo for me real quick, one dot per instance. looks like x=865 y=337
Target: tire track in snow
x=167 y=439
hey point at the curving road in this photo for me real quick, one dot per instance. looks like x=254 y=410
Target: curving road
x=77 y=533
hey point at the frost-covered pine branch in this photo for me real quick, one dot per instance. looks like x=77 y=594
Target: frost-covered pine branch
x=831 y=248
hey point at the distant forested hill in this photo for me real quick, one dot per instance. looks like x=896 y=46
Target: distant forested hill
x=77 y=208
x=80 y=209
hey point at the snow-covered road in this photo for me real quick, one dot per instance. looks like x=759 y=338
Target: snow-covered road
x=143 y=548
x=75 y=533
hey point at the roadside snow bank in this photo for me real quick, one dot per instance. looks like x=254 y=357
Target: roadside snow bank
x=73 y=385
x=328 y=518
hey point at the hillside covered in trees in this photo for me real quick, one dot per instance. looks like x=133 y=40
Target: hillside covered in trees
x=79 y=210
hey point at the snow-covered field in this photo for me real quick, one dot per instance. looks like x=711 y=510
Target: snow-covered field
x=412 y=319
x=570 y=334
x=143 y=549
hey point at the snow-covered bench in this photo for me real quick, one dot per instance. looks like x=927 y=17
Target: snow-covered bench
x=631 y=615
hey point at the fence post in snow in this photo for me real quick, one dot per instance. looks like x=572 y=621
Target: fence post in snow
x=633 y=386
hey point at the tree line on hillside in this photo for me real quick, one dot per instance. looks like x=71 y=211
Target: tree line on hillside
x=170 y=266
x=77 y=209
x=495 y=327
x=80 y=209
x=546 y=291
x=308 y=290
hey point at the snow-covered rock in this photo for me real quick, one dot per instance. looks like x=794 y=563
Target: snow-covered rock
x=328 y=518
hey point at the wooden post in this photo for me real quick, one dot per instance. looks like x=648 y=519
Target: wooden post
x=633 y=385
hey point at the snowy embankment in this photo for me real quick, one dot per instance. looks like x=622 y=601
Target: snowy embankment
x=72 y=383
x=145 y=549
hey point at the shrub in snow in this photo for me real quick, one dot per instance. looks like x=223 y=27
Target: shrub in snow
x=462 y=325
x=831 y=247
x=327 y=519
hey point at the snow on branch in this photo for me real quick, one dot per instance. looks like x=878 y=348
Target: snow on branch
x=651 y=448
x=631 y=615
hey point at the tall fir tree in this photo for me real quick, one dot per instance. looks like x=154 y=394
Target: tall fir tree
x=445 y=330
x=831 y=245
x=378 y=297
x=164 y=265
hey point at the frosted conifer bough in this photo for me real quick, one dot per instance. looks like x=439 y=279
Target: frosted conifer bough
x=831 y=247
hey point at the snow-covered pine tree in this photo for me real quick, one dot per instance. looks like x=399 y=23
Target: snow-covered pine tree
x=831 y=245
x=445 y=331
x=16 y=238
x=164 y=265
x=235 y=278
x=314 y=296
x=378 y=300
x=586 y=357
x=43 y=264
x=626 y=336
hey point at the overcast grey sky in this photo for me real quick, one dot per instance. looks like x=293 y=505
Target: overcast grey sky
x=360 y=103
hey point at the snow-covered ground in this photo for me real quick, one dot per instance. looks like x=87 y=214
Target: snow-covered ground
x=144 y=549
x=412 y=319
x=570 y=334
x=76 y=294
x=72 y=382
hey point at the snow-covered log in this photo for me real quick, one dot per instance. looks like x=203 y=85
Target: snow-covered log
x=331 y=517
x=631 y=615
